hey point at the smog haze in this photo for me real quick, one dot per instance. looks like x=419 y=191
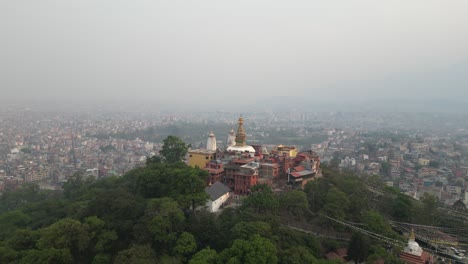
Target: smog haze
x=232 y=54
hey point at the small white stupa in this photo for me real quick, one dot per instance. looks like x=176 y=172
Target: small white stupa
x=413 y=247
x=231 y=141
x=413 y=253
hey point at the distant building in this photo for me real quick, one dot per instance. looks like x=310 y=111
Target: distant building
x=348 y=162
x=94 y=172
x=456 y=190
x=434 y=191
x=289 y=151
x=427 y=172
x=395 y=163
x=424 y=162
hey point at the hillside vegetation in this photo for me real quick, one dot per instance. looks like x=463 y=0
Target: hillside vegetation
x=146 y=216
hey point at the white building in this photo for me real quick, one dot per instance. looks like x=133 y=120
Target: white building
x=94 y=172
x=219 y=194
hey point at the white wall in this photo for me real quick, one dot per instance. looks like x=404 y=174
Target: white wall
x=213 y=206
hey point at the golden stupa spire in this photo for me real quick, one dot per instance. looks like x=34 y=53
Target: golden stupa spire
x=240 y=136
x=412 y=236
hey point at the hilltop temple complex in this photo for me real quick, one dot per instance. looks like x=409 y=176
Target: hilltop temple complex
x=241 y=166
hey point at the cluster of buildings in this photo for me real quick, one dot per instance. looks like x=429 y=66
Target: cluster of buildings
x=240 y=166
x=437 y=165
x=48 y=151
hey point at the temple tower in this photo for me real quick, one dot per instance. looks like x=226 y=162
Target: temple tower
x=240 y=135
x=211 y=142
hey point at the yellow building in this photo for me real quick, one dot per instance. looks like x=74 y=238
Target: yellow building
x=199 y=157
x=290 y=151
x=424 y=162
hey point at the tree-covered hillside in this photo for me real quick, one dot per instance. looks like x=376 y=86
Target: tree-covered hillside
x=147 y=216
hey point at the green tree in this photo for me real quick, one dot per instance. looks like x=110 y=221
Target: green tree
x=7 y=255
x=174 y=149
x=257 y=250
x=385 y=168
x=205 y=226
x=23 y=239
x=434 y=164
x=205 y=256
x=27 y=193
x=417 y=167
x=429 y=213
x=245 y=230
x=108 y=148
x=295 y=203
x=182 y=183
x=47 y=256
x=185 y=244
x=166 y=222
x=153 y=159
x=188 y=188
x=355 y=191
x=358 y=248
x=226 y=221
x=26 y=150
x=81 y=240
x=119 y=208
x=12 y=220
x=289 y=238
x=101 y=259
x=297 y=255
x=65 y=234
x=77 y=186
x=261 y=199
x=379 y=253
x=137 y=254
x=402 y=208
x=336 y=203
x=101 y=238
x=374 y=222
x=316 y=193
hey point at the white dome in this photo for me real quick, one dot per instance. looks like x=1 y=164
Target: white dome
x=245 y=148
x=413 y=248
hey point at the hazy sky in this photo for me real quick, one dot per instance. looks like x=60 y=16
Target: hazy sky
x=222 y=52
